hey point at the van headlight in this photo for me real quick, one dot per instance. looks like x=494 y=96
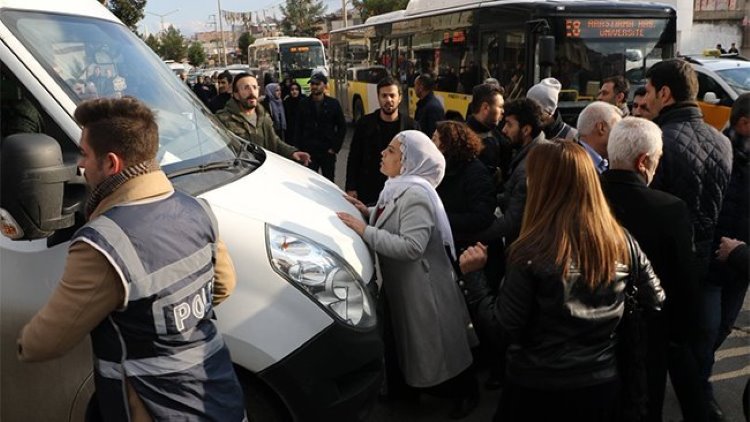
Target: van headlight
x=322 y=274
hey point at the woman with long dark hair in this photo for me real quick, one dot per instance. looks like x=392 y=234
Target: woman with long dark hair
x=563 y=294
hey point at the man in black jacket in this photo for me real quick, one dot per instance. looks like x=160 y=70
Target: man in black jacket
x=487 y=104
x=224 y=82
x=320 y=127
x=725 y=288
x=660 y=222
x=429 y=109
x=696 y=165
x=372 y=135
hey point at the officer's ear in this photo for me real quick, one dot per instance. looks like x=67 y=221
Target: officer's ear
x=112 y=164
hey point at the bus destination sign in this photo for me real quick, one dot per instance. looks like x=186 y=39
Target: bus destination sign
x=614 y=28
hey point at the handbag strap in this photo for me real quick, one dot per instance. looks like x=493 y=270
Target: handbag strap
x=631 y=290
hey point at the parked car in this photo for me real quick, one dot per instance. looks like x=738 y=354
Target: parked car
x=721 y=79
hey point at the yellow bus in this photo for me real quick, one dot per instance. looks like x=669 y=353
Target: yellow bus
x=280 y=57
x=517 y=42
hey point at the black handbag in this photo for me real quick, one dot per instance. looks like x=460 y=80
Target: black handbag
x=632 y=346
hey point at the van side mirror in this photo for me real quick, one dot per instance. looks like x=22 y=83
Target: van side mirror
x=32 y=182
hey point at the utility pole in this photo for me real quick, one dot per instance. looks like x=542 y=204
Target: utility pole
x=343 y=11
x=161 y=17
x=221 y=29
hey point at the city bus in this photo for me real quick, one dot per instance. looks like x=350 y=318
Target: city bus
x=280 y=57
x=517 y=42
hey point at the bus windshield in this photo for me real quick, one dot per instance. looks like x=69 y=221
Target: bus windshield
x=299 y=59
x=94 y=58
x=591 y=50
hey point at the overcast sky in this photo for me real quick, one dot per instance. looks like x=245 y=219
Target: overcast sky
x=190 y=16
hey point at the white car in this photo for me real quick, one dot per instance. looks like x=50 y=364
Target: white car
x=720 y=81
x=301 y=324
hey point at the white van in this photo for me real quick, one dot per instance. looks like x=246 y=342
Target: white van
x=301 y=324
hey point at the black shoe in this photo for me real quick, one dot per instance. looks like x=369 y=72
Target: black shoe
x=464 y=406
x=714 y=411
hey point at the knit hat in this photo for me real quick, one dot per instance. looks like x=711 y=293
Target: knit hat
x=545 y=93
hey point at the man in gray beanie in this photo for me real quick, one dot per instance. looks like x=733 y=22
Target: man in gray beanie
x=545 y=93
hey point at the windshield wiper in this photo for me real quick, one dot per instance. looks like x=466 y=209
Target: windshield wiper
x=216 y=165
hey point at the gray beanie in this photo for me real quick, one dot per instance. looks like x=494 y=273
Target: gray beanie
x=545 y=93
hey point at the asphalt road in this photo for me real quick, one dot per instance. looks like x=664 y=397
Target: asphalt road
x=731 y=370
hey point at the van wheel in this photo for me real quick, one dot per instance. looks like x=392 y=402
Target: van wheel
x=261 y=403
x=358 y=110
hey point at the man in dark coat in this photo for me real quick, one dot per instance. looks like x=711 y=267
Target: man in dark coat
x=660 y=222
x=320 y=127
x=487 y=104
x=725 y=288
x=225 y=92
x=695 y=167
x=372 y=135
x=429 y=109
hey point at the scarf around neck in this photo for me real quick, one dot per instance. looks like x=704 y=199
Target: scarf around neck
x=111 y=183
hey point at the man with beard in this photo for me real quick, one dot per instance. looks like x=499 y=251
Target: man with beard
x=146 y=253
x=640 y=109
x=320 y=127
x=615 y=91
x=696 y=168
x=248 y=120
x=225 y=93
x=523 y=127
x=487 y=105
x=372 y=135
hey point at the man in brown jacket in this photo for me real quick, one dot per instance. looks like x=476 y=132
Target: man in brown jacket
x=142 y=277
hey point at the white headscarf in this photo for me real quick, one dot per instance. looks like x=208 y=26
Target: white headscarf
x=423 y=165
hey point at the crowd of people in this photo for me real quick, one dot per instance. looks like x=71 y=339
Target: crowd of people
x=542 y=226
x=511 y=240
x=532 y=219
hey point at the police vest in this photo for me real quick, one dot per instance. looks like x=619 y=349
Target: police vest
x=162 y=339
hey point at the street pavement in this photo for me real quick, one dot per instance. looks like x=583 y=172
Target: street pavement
x=731 y=370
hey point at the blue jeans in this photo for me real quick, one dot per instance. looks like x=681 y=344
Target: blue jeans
x=721 y=303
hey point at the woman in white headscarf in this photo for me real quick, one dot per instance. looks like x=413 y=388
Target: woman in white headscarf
x=275 y=108
x=425 y=315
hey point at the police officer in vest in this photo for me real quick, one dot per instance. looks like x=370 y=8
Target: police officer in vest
x=146 y=299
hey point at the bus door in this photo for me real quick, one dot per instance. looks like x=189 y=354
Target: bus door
x=502 y=56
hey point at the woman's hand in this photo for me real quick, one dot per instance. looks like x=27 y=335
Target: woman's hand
x=473 y=259
x=361 y=207
x=353 y=222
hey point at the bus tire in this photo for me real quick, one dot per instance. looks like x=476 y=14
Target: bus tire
x=261 y=403
x=358 y=110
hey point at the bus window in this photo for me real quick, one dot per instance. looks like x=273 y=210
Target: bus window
x=503 y=57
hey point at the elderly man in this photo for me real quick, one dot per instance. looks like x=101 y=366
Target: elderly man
x=594 y=125
x=660 y=222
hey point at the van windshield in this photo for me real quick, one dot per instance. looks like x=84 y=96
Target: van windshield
x=94 y=58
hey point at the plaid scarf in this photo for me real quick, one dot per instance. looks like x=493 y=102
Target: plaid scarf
x=113 y=182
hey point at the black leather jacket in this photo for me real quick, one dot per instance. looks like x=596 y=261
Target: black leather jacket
x=560 y=333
